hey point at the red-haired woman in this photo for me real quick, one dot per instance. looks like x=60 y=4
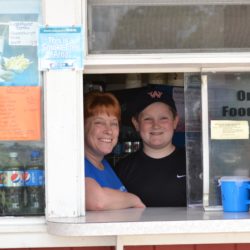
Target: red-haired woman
x=104 y=190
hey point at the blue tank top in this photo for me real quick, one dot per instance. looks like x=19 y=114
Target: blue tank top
x=105 y=178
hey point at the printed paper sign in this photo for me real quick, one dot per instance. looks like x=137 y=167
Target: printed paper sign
x=20 y=113
x=23 y=33
x=229 y=130
x=60 y=48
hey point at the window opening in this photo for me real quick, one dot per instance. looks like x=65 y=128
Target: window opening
x=185 y=89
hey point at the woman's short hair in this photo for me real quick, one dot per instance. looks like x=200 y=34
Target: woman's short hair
x=101 y=102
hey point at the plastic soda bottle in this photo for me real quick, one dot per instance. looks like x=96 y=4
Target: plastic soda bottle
x=1 y=190
x=34 y=184
x=13 y=186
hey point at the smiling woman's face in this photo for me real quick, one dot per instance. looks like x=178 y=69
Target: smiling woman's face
x=101 y=134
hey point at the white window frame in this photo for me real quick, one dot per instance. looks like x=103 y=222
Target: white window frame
x=63 y=109
x=163 y=62
x=63 y=104
x=63 y=121
x=192 y=62
x=174 y=62
x=171 y=62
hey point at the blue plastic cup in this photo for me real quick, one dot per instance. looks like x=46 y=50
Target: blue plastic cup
x=235 y=193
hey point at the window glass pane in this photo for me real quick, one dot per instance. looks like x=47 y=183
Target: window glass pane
x=193 y=135
x=229 y=116
x=144 y=27
x=19 y=7
x=21 y=124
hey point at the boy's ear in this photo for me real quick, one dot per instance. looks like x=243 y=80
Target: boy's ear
x=176 y=121
x=135 y=123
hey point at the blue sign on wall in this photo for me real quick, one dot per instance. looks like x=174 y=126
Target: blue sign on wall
x=60 y=48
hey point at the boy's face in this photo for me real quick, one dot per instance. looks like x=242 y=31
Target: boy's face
x=156 y=125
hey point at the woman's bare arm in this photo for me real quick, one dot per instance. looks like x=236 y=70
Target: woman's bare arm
x=98 y=198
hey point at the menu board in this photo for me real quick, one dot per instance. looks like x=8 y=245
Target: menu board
x=20 y=113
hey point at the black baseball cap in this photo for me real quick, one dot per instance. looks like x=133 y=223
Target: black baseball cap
x=151 y=95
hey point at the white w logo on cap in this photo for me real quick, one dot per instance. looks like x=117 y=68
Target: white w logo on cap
x=155 y=94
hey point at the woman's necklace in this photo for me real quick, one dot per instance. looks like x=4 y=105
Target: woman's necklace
x=99 y=165
x=95 y=161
